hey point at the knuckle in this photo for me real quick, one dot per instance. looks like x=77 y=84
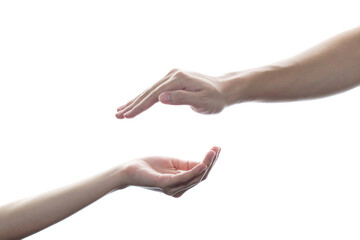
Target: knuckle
x=179 y=74
x=173 y=81
x=144 y=94
x=152 y=93
x=174 y=70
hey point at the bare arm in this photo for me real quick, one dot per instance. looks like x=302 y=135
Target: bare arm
x=25 y=217
x=328 y=68
x=171 y=176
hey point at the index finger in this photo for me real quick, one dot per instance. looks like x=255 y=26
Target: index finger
x=130 y=105
x=217 y=151
x=150 y=99
x=183 y=165
x=187 y=176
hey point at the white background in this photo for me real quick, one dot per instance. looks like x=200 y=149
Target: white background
x=286 y=171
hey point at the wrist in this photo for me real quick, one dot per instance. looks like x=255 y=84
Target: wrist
x=121 y=178
x=234 y=87
x=249 y=85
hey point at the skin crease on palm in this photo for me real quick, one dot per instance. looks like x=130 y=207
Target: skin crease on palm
x=169 y=174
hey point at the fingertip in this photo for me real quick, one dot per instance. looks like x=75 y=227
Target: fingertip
x=213 y=153
x=177 y=195
x=216 y=149
x=218 y=152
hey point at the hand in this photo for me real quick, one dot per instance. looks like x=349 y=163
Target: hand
x=201 y=92
x=169 y=175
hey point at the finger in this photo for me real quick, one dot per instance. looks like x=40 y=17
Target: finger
x=128 y=107
x=187 y=176
x=180 y=97
x=209 y=157
x=151 y=99
x=145 y=104
x=183 y=165
x=133 y=103
x=123 y=108
x=180 y=190
x=119 y=109
x=217 y=149
x=179 y=193
x=209 y=160
x=183 y=188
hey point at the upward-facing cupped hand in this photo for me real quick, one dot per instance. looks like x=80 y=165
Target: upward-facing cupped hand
x=169 y=175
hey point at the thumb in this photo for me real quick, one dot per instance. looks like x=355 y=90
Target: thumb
x=179 y=97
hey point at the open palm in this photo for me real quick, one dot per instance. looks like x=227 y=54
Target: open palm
x=169 y=175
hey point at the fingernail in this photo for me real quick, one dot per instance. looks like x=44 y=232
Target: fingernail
x=165 y=98
x=118 y=115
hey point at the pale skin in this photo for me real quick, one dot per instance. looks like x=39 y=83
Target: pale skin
x=169 y=175
x=330 y=67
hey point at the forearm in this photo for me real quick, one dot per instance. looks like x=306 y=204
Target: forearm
x=328 y=68
x=25 y=217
